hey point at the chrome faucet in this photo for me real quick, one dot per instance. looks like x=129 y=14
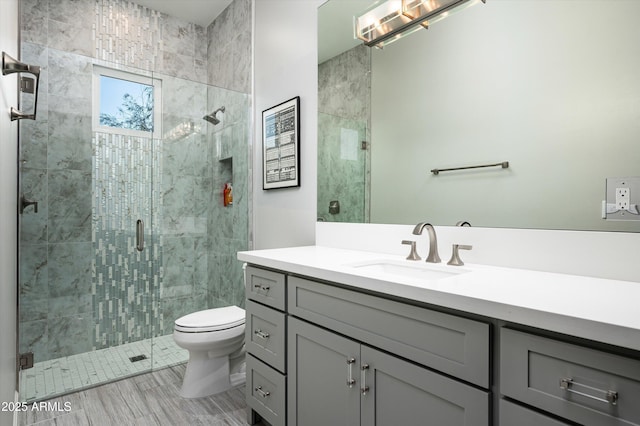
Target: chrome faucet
x=433 y=241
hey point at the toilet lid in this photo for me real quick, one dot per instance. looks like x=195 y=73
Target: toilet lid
x=211 y=320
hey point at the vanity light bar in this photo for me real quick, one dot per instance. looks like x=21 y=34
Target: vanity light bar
x=380 y=22
x=393 y=19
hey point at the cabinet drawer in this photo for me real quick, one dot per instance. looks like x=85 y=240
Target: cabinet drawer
x=448 y=343
x=577 y=383
x=513 y=414
x=266 y=287
x=266 y=334
x=266 y=391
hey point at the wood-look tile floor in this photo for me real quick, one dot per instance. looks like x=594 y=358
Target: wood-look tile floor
x=148 y=399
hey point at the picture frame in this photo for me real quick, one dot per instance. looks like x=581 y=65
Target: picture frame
x=281 y=145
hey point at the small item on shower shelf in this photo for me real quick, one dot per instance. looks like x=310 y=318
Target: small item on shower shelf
x=228 y=194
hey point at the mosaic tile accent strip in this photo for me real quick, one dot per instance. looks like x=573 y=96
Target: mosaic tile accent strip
x=75 y=372
x=126 y=282
x=126 y=33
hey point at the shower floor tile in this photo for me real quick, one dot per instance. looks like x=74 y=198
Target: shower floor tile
x=69 y=374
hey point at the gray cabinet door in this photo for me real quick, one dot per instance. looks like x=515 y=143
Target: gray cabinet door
x=448 y=343
x=319 y=369
x=402 y=393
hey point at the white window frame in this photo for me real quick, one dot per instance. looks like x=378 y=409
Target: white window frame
x=99 y=71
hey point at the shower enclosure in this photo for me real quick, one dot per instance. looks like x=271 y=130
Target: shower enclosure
x=344 y=147
x=131 y=230
x=343 y=169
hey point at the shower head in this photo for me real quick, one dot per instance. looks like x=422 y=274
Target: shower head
x=211 y=118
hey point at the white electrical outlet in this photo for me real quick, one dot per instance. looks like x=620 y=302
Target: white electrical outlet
x=622 y=198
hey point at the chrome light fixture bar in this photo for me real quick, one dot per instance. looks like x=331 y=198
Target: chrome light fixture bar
x=391 y=20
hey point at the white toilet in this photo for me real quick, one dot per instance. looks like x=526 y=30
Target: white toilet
x=215 y=341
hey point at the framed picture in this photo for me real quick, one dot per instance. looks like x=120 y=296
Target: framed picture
x=281 y=145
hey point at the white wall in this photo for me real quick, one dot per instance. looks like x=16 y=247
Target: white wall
x=611 y=255
x=285 y=66
x=8 y=217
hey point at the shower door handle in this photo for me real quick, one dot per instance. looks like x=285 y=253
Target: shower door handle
x=24 y=203
x=140 y=235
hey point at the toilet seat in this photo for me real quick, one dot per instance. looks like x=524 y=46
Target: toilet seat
x=209 y=320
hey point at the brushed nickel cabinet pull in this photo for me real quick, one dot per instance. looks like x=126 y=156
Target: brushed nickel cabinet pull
x=364 y=389
x=262 y=287
x=610 y=396
x=350 y=380
x=261 y=334
x=262 y=393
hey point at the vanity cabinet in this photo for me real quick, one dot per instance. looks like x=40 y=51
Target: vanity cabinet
x=327 y=347
x=581 y=384
x=343 y=376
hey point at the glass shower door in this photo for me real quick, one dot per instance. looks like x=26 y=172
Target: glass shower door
x=87 y=293
x=343 y=175
x=126 y=277
x=93 y=307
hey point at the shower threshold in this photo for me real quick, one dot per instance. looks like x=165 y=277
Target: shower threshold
x=72 y=373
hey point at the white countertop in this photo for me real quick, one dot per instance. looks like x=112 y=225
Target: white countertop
x=592 y=308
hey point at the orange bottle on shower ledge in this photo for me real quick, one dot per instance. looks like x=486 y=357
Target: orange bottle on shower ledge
x=228 y=194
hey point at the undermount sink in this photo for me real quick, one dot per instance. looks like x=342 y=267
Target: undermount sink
x=409 y=269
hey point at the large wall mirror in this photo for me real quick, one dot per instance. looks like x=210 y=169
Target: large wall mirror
x=552 y=87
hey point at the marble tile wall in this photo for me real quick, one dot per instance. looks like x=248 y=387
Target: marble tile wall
x=68 y=305
x=229 y=48
x=344 y=100
x=347 y=73
x=230 y=225
x=120 y=32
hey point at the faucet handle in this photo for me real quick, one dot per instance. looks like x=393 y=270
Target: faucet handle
x=455 y=255
x=414 y=254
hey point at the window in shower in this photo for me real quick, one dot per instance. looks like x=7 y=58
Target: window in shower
x=125 y=103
